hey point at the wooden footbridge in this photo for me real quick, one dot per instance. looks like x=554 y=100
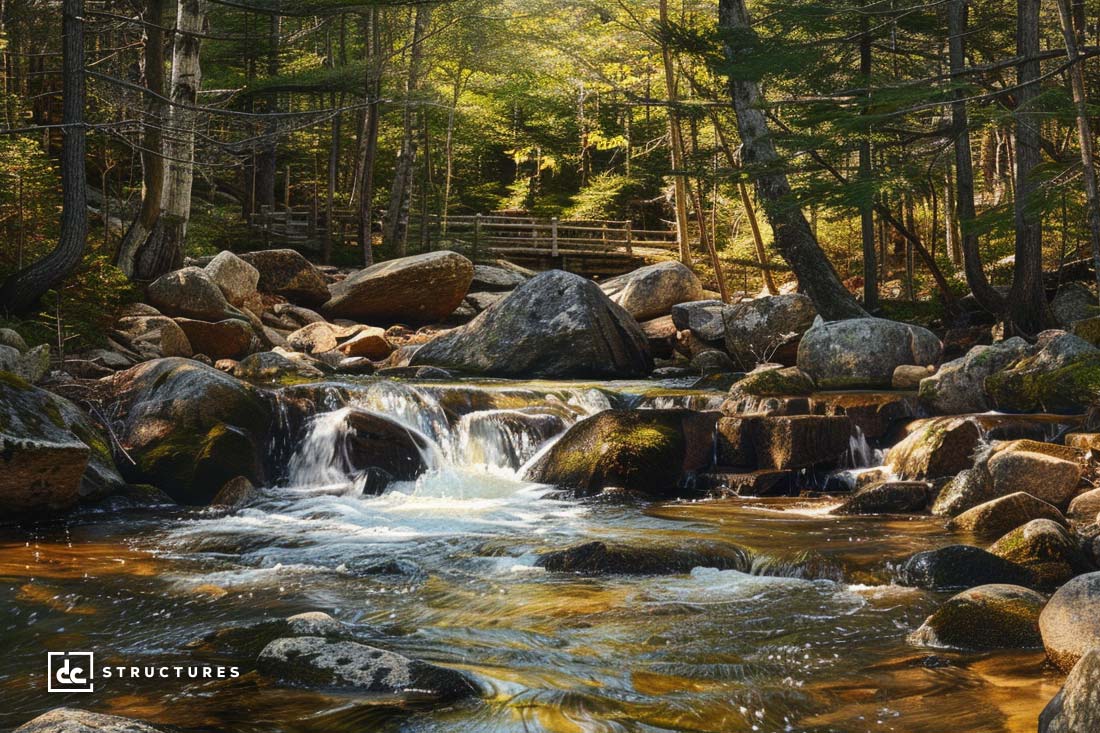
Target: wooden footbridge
x=590 y=247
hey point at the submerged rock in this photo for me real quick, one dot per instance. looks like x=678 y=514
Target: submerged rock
x=599 y=558
x=654 y=453
x=864 y=352
x=555 y=325
x=887 y=497
x=311 y=661
x=73 y=720
x=417 y=290
x=767 y=329
x=958 y=567
x=652 y=291
x=986 y=617
x=246 y=642
x=1076 y=707
x=189 y=428
x=374 y=442
x=1071 y=621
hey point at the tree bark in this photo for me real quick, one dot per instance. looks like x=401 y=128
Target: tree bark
x=1028 y=310
x=22 y=291
x=1084 y=133
x=370 y=139
x=676 y=143
x=867 y=207
x=152 y=153
x=395 y=229
x=267 y=162
x=793 y=238
x=976 y=279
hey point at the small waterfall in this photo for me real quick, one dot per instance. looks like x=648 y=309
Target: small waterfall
x=860 y=452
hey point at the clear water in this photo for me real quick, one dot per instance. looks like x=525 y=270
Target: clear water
x=786 y=647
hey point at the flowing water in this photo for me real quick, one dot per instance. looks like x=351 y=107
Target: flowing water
x=808 y=636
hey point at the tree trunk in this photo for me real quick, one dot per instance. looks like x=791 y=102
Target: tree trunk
x=370 y=139
x=152 y=153
x=1084 y=133
x=676 y=143
x=1028 y=310
x=984 y=294
x=395 y=229
x=267 y=162
x=21 y=292
x=793 y=237
x=867 y=207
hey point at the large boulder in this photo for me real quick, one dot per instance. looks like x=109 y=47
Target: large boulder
x=190 y=293
x=496 y=279
x=416 y=290
x=1002 y=515
x=651 y=291
x=313 y=661
x=228 y=339
x=703 y=318
x=864 y=352
x=959 y=386
x=1063 y=377
x=189 y=428
x=73 y=720
x=782 y=442
x=1076 y=707
x=1071 y=621
x=373 y=442
x=1047 y=477
x=1045 y=548
x=985 y=617
x=966 y=490
x=237 y=279
x=287 y=273
x=934 y=448
x=768 y=329
x=654 y=453
x=51 y=453
x=958 y=567
x=1074 y=302
x=555 y=325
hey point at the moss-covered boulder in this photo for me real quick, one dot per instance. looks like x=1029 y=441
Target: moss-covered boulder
x=51 y=454
x=773 y=382
x=1071 y=621
x=934 y=448
x=1063 y=377
x=1002 y=515
x=1045 y=548
x=556 y=325
x=1047 y=477
x=958 y=567
x=959 y=386
x=189 y=428
x=966 y=490
x=862 y=353
x=985 y=617
x=654 y=453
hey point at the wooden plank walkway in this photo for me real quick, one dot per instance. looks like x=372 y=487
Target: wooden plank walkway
x=594 y=248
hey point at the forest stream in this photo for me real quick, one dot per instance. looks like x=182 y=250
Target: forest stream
x=809 y=635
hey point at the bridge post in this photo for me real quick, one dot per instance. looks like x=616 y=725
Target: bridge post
x=477 y=236
x=630 y=238
x=554 y=237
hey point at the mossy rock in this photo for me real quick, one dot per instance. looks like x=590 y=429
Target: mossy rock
x=190 y=428
x=789 y=382
x=1046 y=548
x=1064 y=378
x=51 y=453
x=649 y=452
x=985 y=617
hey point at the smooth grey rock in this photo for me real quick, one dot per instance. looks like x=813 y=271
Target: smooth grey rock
x=959 y=386
x=864 y=352
x=651 y=291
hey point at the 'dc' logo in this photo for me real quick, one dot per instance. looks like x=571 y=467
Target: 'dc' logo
x=70 y=671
